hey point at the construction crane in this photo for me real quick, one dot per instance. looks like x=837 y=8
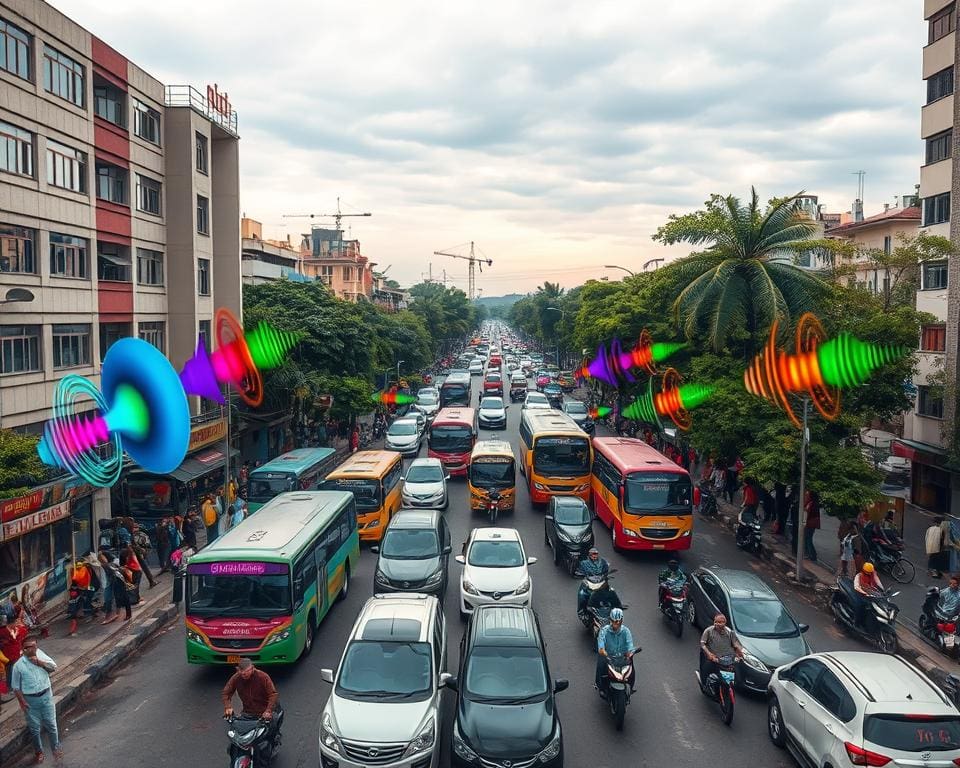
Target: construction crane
x=471 y=275
x=335 y=216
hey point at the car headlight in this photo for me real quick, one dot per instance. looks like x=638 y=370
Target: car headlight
x=434 y=578
x=461 y=748
x=381 y=578
x=423 y=740
x=752 y=661
x=328 y=733
x=197 y=638
x=552 y=749
x=524 y=587
x=279 y=637
x=539 y=487
x=469 y=588
x=632 y=534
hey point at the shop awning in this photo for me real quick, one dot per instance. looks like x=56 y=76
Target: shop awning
x=199 y=464
x=922 y=453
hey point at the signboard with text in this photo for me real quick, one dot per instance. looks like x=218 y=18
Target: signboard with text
x=34 y=520
x=204 y=434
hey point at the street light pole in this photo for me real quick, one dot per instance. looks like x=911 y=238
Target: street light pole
x=399 y=362
x=802 y=510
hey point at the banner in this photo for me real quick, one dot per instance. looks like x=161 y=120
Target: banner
x=204 y=434
x=33 y=520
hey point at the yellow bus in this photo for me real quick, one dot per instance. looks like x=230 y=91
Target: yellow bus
x=374 y=479
x=555 y=456
x=492 y=467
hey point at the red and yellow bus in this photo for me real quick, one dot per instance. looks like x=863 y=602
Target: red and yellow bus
x=555 y=456
x=451 y=438
x=645 y=499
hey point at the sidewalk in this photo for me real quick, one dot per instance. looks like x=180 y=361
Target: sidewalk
x=86 y=658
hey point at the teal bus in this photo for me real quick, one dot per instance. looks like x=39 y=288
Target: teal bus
x=260 y=590
x=298 y=470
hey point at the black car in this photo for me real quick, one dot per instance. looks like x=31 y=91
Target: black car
x=768 y=633
x=554 y=394
x=568 y=529
x=506 y=704
x=414 y=554
x=577 y=411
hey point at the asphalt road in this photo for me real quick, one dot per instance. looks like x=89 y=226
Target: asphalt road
x=160 y=711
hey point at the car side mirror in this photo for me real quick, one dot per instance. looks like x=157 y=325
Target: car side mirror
x=460 y=559
x=447 y=549
x=375 y=549
x=548 y=517
x=403 y=477
x=446 y=477
x=531 y=560
x=560 y=685
x=450 y=682
x=445 y=677
x=326 y=675
x=803 y=627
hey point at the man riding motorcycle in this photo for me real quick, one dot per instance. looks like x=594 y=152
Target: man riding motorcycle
x=615 y=639
x=716 y=641
x=673 y=572
x=866 y=583
x=594 y=565
x=949 y=602
x=257 y=694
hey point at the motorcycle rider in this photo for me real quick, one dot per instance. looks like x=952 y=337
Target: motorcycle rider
x=257 y=694
x=865 y=585
x=673 y=572
x=949 y=602
x=717 y=640
x=593 y=565
x=615 y=639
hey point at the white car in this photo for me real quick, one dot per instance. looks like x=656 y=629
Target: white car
x=847 y=708
x=536 y=400
x=476 y=367
x=494 y=570
x=385 y=707
x=428 y=404
x=404 y=436
x=492 y=413
x=425 y=485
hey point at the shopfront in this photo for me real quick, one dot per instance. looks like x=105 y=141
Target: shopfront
x=929 y=476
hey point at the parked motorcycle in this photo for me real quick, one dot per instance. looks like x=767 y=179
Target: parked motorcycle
x=719 y=687
x=749 y=535
x=615 y=686
x=673 y=602
x=493 y=506
x=880 y=616
x=938 y=627
x=251 y=745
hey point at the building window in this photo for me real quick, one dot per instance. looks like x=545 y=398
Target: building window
x=933 y=276
x=14 y=50
x=203 y=277
x=887 y=244
x=16 y=250
x=204 y=334
x=71 y=345
x=113 y=263
x=942 y=23
x=146 y=122
x=929 y=402
x=154 y=333
x=148 y=195
x=16 y=150
x=62 y=76
x=326 y=274
x=202 y=156
x=940 y=147
x=933 y=338
x=66 y=167
x=203 y=215
x=109 y=102
x=19 y=348
x=111 y=333
x=111 y=183
x=936 y=209
x=348 y=274
x=940 y=84
x=149 y=267
x=68 y=256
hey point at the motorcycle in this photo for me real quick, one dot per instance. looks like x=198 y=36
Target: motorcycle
x=719 y=687
x=937 y=626
x=250 y=743
x=708 y=501
x=616 y=685
x=673 y=602
x=602 y=598
x=749 y=533
x=493 y=506
x=880 y=616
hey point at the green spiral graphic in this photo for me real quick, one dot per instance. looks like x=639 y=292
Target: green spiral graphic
x=845 y=361
x=269 y=347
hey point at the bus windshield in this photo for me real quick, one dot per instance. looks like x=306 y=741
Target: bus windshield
x=238 y=589
x=262 y=488
x=652 y=493
x=562 y=456
x=453 y=438
x=365 y=492
x=490 y=472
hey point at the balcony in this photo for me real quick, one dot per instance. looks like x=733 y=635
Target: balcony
x=213 y=105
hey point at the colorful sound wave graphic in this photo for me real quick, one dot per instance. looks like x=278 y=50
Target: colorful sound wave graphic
x=674 y=400
x=142 y=408
x=820 y=367
x=614 y=367
x=600 y=412
x=393 y=398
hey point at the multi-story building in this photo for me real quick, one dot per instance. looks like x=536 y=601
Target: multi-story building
x=267 y=260
x=338 y=263
x=388 y=297
x=119 y=211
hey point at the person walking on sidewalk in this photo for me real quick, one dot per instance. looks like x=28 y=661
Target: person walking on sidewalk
x=163 y=544
x=31 y=683
x=131 y=563
x=849 y=533
x=209 y=513
x=117 y=588
x=935 y=541
x=141 y=546
x=812 y=507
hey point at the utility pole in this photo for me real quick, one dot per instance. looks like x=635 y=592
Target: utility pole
x=473 y=261
x=802 y=511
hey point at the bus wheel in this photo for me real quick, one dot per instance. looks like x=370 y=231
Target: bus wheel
x=345 y=587
x=308 y=642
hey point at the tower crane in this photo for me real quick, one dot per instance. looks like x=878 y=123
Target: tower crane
x=335 y=216
x=471 y=275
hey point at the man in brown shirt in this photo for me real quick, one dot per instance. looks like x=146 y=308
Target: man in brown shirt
x=255 y=689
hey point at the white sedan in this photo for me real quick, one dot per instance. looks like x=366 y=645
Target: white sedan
x=494 y=570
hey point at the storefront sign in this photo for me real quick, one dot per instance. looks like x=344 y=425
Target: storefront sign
x=38 y=519
x=204 y=434
x=61 y=491
x=237 y=568
x=218 y=102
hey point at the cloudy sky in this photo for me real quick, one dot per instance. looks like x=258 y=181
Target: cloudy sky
x=557 y=135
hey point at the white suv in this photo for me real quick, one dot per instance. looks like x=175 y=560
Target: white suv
x=494 y=570
x=851 y=708
x=385 y=705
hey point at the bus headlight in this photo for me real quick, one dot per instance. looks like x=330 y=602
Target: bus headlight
x=540 y=487
x=632 y=534
x=685 y=533
x=279 y=637
x=197 y=638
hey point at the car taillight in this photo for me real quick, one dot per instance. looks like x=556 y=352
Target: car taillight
x=860 y=756
x=949 y=628
x=956 y=761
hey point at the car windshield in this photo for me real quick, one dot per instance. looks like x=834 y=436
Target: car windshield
x=505 y=675
x=494 y=377
x=576 y=407
x=365 y=492
x=236 y=594
x=451 y=438
x=491 y=553
x=424 y=473
x=918 y=733
x=492 y=472
x=536 y=397
x=263 y=489
x=571 y=514
x=426 y=399
x=558 y=456
x=491 y=404
x=385 y=670
x=762 y=618
x=410 y=544
x=403 y=428
x=658 y=492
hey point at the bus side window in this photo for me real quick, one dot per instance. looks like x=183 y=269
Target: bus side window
x=392 y=477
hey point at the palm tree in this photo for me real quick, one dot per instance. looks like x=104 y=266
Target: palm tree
x=738 y=284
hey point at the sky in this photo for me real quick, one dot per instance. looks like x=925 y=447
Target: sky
x=557 y=135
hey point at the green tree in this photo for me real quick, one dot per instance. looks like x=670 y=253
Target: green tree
x=20 y=466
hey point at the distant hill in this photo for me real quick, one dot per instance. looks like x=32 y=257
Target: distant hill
x=494 y=301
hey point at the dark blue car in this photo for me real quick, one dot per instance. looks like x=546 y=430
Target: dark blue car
x=554 y=394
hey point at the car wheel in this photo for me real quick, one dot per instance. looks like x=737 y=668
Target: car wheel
x=775 y=727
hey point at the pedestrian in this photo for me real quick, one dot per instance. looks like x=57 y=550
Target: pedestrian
x=131 y=562
x=730 y=483
x=31 y=683
x=13 y=633
x=209 y=513
x=718 y=477
x=141 y=546
x=188 y=531
x=355 y=439
x=236 y=515
x=322 y=434
x=812 y=508
x=163 y=544
x=847 y=543
x=120 y=587
x=934 y=543
x=751 y=497
x=83 y=584
x=781 y=510
x=707 y=470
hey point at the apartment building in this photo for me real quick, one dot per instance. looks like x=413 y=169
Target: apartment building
x=119 y=211
x=264 y=261
x=338 y=263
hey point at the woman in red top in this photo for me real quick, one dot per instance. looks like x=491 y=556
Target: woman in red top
x=812 y=507
x=130 y=561
x=11 y=643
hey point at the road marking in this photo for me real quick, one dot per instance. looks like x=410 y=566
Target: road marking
x=679 y=720
x=137 y=708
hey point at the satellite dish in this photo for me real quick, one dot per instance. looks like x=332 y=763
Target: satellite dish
x=18 y=294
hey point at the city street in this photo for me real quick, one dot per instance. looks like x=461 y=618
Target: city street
x=159 y=711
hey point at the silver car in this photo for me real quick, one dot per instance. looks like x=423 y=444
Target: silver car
x=404 y=436
x=385 y=705
x=425 y=485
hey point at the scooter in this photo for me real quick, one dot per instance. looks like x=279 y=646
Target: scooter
x=493 y=506
x=616 y=685
x=600 y=596
x=673 y=602
x=880 y=616
x=749 y=532
x=708 y=501
x=719 y=687
x=937 y=626
x=250 y=745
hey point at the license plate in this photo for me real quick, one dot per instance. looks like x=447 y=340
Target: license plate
x=949 y=640
x=233 y=659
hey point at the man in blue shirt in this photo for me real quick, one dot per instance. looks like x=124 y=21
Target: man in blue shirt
x=30 y=680
x=614 y=639
x=950 y=597
x=594 y=565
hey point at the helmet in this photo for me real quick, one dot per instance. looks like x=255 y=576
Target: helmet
x=593 y=551
x=616 y=614
x=868 y=568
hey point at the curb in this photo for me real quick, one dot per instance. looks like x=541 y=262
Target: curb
x=72 y=690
